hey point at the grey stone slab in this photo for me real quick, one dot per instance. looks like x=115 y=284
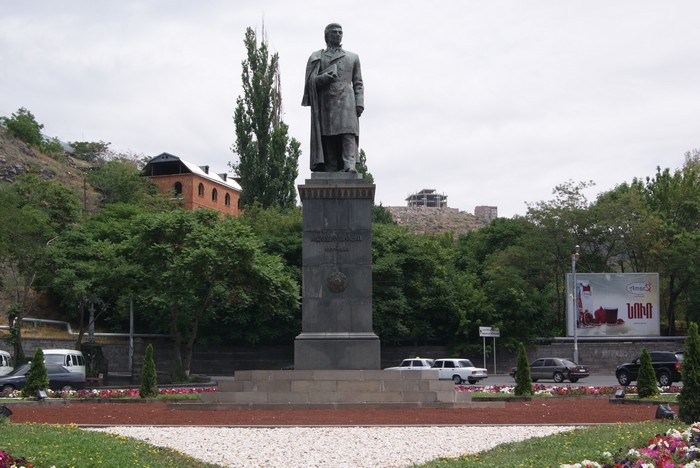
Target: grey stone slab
x=290 y=398
x=314 y=386
x=361 y=386
x=336 y=354
x=423 y=397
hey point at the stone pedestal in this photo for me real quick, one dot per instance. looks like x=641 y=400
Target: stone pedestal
x=337 y=275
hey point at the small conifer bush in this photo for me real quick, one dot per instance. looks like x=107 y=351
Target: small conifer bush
x=523 y=382
x=689 y=398
x=37 y=377
x=149 y=382
x=646 y=381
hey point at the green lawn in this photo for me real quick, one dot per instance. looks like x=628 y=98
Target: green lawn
x=570 y=447
x=67 y=446
x=63 y=446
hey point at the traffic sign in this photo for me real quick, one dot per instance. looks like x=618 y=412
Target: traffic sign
x=489 y=332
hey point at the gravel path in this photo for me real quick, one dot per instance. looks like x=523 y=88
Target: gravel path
x=330 y=446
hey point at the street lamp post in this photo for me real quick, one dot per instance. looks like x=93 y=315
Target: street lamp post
x=574 y=258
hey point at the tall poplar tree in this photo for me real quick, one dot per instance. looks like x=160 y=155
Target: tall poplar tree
x=268 y=159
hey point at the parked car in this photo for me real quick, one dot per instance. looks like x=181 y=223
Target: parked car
x=60 y=378
x=71 y=359
x=666 y=364
x=459 y=370
x=5 y=362
x=413 y=364
x=556 y=369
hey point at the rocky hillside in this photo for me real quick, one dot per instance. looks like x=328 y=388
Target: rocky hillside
x=422 y=220
x=17 y=158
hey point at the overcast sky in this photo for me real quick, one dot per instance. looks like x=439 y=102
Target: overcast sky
x=489 y=102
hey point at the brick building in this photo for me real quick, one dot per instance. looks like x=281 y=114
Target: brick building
x=197 y=187
x=487 y=213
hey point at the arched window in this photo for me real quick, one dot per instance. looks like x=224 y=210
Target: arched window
x=227 y=199
x=200 y=189
x=178 y=188
x=214 y=195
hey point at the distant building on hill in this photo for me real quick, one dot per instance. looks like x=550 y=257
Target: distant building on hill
x=197 y=187
x=487 y=213
x=427 y=198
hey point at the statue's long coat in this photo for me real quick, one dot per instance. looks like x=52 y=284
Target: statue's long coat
x=333 y=107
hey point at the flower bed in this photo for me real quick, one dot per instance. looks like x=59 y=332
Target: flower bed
x=97 y=393
x=557 y=390
x=674 y=449
x=7 y=461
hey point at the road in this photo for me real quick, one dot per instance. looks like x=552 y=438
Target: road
x=594 y=380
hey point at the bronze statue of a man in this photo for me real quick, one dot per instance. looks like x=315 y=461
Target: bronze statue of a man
x=333 y=89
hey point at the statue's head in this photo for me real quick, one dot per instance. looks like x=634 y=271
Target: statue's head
x=333 y=34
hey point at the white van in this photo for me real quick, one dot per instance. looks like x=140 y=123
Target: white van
x=5 y=362
x=72 y=359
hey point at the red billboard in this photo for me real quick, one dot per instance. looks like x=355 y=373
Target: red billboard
x=613 y=304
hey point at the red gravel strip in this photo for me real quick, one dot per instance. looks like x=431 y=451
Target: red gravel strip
x=536 y=411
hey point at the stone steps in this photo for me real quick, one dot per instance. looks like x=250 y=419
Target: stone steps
x=335 y=389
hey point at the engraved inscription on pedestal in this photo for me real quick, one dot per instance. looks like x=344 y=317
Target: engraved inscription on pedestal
x=336 y=276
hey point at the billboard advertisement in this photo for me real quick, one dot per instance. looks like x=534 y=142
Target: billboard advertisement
x=613 y=304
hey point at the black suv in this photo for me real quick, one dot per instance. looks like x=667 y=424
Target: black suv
x=666 y=364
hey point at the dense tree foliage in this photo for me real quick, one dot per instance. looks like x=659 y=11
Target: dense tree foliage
x=689 y=398
x=207 y=280
x=268 y=160
x=34 y=213
x=196 y=267
x=23 y=125
x=120 y=181
x=91 y=151
x=362 y=167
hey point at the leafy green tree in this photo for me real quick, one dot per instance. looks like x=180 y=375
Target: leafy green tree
x=628 y=229
x=89 y=266
x=675 y=199
x=561 y=224
x=689 y=397
x=391 y=312
x=37 y=377
x=418 y=296
x=646 y=381
x=380 y=214
x=119 y=181
x=199 y=269
x=91 y=151
x=362 y=167
x=57 y=201
x=37 y=212
x=268 y=160
x=52 y=146
x=149 y=376
x=14 y=335
x=523 y=381
x=23 y=125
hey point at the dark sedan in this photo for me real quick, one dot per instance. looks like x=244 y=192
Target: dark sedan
x=556 y=369
x=60 y=378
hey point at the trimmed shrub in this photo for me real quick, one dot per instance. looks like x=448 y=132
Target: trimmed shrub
x=149 y=382
x=37 y=377
x=689 y=398
x=646 y=381
x=523 y=381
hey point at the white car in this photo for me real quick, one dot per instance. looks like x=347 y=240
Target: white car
x=459 y=370
x=413 y=364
